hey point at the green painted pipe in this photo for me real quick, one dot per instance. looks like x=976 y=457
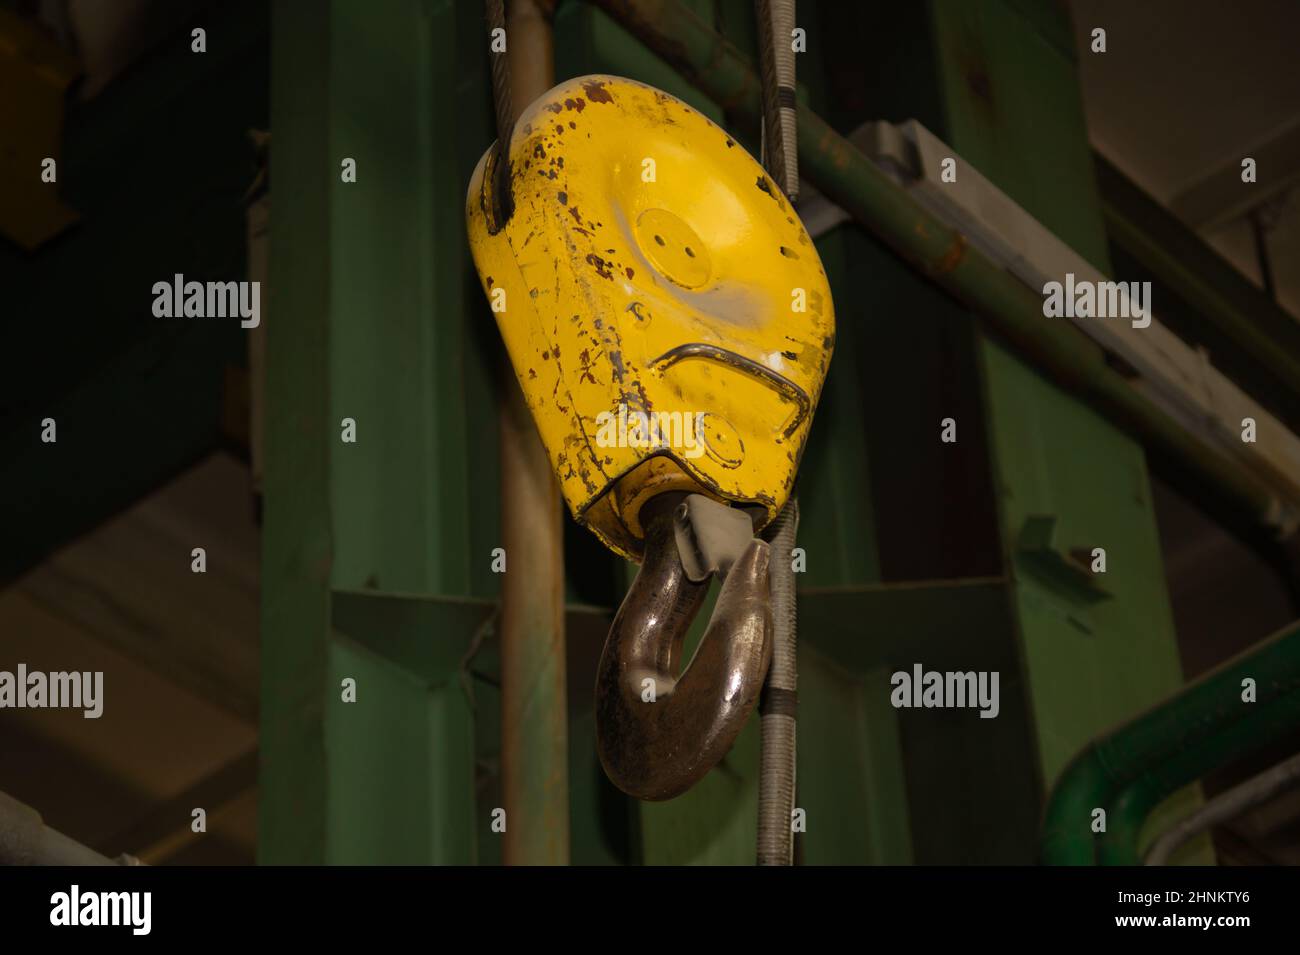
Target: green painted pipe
x=851 y=180
x=1130 y=770
x=1267 y=724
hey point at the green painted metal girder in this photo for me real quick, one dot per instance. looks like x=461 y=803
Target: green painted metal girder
x=296 y=536
x=860 y=628
x=371 y=319
x=405 y=747
x=413 y=501
x=867 y=634
x=852 y=783
x=433 y=639
x=1013 y=110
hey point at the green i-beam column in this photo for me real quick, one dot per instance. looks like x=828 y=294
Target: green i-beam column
x=1010 y=106
x=377 y=552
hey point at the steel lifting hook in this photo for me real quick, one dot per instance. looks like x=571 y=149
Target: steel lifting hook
x=658 y=733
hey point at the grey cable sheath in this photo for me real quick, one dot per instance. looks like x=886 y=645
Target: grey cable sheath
x=776 y=783
x=779 y=705
x=1228 y=805
x=776 y=61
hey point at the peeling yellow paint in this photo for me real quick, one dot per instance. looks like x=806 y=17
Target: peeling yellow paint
x=649 y=270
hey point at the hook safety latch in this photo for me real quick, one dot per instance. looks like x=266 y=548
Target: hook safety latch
x=659 y=732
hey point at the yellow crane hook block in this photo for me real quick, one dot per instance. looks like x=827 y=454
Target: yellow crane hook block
x=664 y=309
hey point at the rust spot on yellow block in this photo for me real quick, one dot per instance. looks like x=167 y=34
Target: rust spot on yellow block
x=595 y=90
x=693 y=366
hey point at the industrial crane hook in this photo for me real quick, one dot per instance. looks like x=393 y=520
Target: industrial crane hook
x=658 y=733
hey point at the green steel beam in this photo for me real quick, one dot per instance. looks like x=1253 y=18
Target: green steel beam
x=376 y=318
x=1012 y=108
x=397 y=627
x=296 y=538
x=866 y=634
x=852 y=783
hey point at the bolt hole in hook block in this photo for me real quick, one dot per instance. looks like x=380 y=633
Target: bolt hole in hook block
x=659 y=732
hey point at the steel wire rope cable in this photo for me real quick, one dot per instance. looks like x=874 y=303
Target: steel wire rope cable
x=779 y=704
x=502 y=108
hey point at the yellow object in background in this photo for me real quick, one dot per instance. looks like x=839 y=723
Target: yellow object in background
x=664 y=309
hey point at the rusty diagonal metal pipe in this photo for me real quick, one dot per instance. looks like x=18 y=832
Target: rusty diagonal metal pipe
x=658 y=732
x=534 y=717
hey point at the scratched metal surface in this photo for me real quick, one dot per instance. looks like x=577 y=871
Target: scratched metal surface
x=650 y=267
